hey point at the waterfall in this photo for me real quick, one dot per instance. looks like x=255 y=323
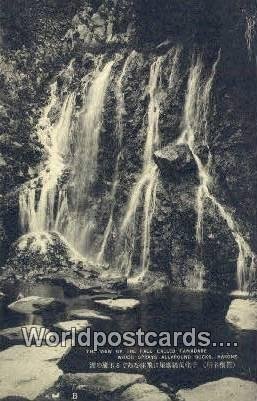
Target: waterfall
x=72 y=148
x=145 y=187
x=250 y=32
x=120 y=112
x=39 y=215
x=195 y=121
x=79 y=222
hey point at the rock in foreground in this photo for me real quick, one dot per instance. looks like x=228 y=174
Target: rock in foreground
x=34 y=304
x=78 y=325
x=122 y=304
x=13 y=335
x=2 y=295
x=88 y=314
x=29 y=372
x=143 y=392
x=229 y=389
x=242 y=314
x=98 y=384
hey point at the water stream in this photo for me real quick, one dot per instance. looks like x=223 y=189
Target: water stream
x=195 y=121
x=145 y=186
x=63 y=198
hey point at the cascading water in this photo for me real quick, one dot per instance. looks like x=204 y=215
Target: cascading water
x=47 y=207
x=62 y=198
x=145 y=187
x=120 y=112
x=195 y=121
x=250 y=33
x=38 y=215
x=78 y=223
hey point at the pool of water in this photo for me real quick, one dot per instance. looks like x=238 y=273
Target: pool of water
x=172 y=310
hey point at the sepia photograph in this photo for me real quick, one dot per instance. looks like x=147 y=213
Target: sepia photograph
x=128 y=200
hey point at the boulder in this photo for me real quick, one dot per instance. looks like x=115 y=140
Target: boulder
x=153 y=282
x=78 y=325
x=29 y=371
x=13 y=335
x=48 y=257
x=175 y=159
x=143 y=392
x=40 y=254
x=230 y=389
x=87 y=314
x=98 y=384
x=121 y=304
x=242 y=314
x=34 y=304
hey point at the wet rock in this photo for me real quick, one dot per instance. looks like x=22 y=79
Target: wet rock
x=2 y=162
x=175 y=159
x=87 y=314
x=121 y=304
x=242 y=314
x=2 y=295
x=84 y=282
x=36 y=254
x=202 y=151
x=34 y=304
x=98 y=385
x=143 y=392
x=115 y=283
x=13 y=335
x=47 y=257
x=78 y=325
x=152 y=282
x=29 y=371
x=230 y=389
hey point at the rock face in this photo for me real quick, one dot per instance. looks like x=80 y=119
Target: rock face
x=223 y=126
x=29 y=371
x=78 y=325
x=13 y=335
x=34 y=304
x=226 y=389
x=95 y=28
x=174 y=161
x=143 y=392
x=87 y=314
x=98 y=385
x=122 y=304
x=242 y=314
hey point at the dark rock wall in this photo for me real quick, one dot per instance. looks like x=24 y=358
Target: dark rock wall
x=63 y=30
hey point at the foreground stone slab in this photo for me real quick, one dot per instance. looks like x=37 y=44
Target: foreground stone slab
x=13 y=335
x=143 y=392
x=98 y=384
x=122 y=304
x=79 y=325
x=35 y=304
x=29 y=371
x=87 y=314
x=228 y=389
x=242 y=314
x=2 y=295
